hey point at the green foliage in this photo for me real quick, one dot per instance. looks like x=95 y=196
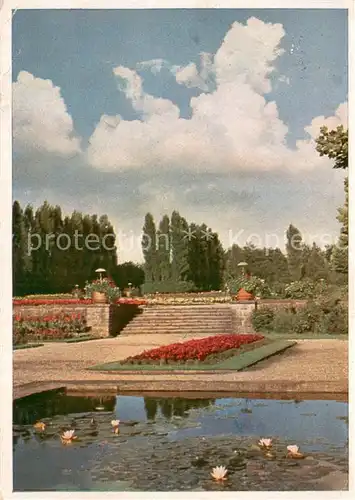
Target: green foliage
x=63 y=259
x=325 y=317
x=294 y=252
x=168 y=287
x=164 y=246
x=181 y=253
x=179 y=247
x=251 y=284
x=301 y=289
x=269 y=264
x=334 y=144
x=205 y=258
x=128 y=272
x=263 y=318
x=149 y=247
x=105 y=286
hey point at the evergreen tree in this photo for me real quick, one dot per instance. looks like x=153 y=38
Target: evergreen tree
x=216 y=262
x=294 y=252
x=128 y=272
x=149 y=247
x=179 y=248
x=164 y=248
x=18 y=250
x=315 y=264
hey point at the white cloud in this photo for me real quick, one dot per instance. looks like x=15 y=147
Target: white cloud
x=232 y=128
x=40 y=117
x=191 y=77
x=247 y=53
x=332 y=122
x=154 y=65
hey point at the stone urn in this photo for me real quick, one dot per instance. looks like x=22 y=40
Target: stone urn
x=99 y=297
x=244 y=295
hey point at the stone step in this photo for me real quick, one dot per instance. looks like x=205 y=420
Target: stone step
x=180 y=329
x=182 y=320
x=200 y=332
x=182 y=326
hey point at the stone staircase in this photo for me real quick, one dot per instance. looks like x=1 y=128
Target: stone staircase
x=196 y=320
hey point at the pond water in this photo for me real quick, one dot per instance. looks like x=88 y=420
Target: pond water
x=171 y=444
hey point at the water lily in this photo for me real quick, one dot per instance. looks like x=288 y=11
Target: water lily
x=265 y=443
x=40 y=426
x=115 y=424
x=219 y=473
x=293 y=451
x=68 y=436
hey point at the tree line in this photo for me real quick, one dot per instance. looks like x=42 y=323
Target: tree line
x=178 y=255
x=52 y=253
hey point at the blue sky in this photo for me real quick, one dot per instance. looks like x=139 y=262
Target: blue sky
x=78 y=52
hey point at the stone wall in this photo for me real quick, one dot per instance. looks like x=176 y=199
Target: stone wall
x=281 y=303
x=102 y=319
x=242 y=315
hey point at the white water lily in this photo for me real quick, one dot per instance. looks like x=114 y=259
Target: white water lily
x=68 y=436
x=115 y=423
x=265 y=442
x=219 y=473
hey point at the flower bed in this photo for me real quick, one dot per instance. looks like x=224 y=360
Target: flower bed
x=43 y=302
x=47 y=327
x=188 y=299
x=194 y=350
x=131 y=301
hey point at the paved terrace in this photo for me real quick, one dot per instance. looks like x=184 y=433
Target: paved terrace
x=311 y=366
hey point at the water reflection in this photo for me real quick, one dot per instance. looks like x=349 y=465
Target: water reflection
x=177 y=407
x=47 y=404
x=168 y=434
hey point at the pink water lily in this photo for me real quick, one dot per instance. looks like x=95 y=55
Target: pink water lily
x=265 y=443
x=293 y=451
x=68 y=436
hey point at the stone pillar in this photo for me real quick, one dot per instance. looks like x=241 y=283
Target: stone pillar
x=98 y=318
x=242 y=315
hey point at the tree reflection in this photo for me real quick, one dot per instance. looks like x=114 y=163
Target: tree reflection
x=177 y=407
x=47 y=404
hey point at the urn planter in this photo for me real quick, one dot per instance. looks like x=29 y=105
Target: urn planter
x=244 y=295
x=99 y=297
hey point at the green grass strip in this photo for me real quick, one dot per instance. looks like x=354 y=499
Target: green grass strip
x=238 y=362
x=26 y=346
x=304 y=336
x=80 y=339
x=71 y=340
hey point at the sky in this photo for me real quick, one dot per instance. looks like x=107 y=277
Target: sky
x=211 y=112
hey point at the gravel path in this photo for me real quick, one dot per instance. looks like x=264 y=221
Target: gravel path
x=310 y=360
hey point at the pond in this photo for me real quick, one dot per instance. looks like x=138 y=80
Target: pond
x=172 y=444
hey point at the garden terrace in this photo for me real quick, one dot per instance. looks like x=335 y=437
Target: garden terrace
x=101 y=320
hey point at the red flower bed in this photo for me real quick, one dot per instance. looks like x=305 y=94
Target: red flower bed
x=47 y=326
x=43 y=302
x=195 y=349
